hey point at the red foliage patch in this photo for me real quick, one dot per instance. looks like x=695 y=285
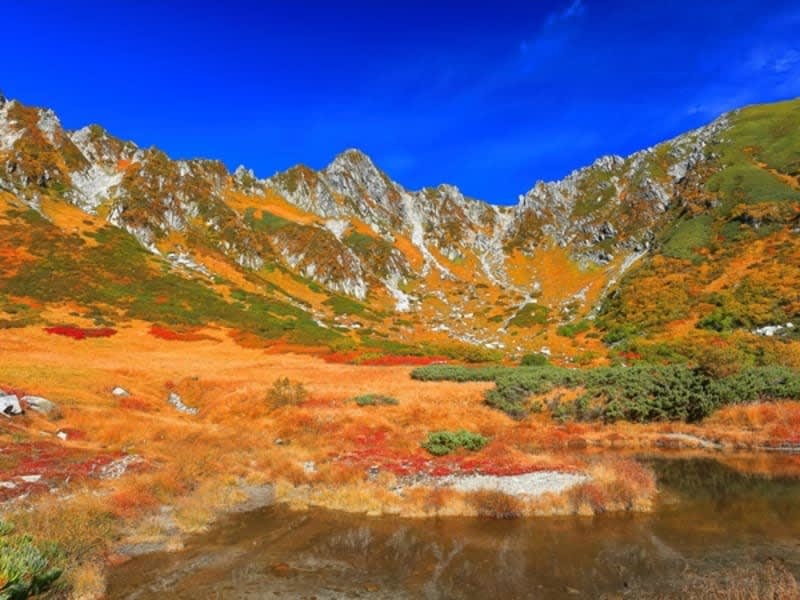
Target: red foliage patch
x=320 y=403
x=127 y=503
x=132 y=403
x=54 y=463
x=372 y=449
x=164 y=333
x=74 y=434
x=80 y=333
x=785 y=434
x=341 y=357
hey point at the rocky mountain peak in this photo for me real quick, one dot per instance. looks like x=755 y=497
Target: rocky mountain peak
x=351 y=158
x=353 y=231
x=352 y=173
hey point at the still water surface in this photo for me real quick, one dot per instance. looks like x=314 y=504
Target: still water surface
x=709 y=519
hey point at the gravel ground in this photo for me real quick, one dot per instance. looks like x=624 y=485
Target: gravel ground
x=528 y=484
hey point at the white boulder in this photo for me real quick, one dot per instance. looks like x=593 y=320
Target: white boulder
x=41 y=405
x=10 y=406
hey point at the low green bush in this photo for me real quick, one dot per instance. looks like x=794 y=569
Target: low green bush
x=570 y=330
x=534 y=359
x=456 y=373
x=27 y=568
x=374 y=399
x=440 y=443
x=687 y=237
x=530 y=315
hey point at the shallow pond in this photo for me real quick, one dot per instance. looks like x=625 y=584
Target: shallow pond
x=710 y=523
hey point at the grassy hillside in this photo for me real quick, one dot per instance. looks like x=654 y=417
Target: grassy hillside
x=730 y=261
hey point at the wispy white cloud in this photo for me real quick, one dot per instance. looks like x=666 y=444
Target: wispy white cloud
x=576 y=9
x=775 y=59
x=554 y=34
x=743 y=80
x=788 y=62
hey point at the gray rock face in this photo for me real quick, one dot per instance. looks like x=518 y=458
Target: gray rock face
x=10 y=406
x=42 y=405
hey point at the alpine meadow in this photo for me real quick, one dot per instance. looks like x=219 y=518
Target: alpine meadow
x=325 y=383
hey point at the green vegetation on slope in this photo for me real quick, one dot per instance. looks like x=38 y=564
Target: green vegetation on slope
x=640 y=393
x=117 y=275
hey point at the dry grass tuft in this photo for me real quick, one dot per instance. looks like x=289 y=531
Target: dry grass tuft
x=87 y=581
x=495 y=504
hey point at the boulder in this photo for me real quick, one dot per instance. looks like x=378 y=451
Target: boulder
x=42 y=405
x=10 y=406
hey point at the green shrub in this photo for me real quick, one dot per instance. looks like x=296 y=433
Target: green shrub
x=720 y=320
x=267 y=223
x=570 y=330
x=342 y=305
x=374 y=399
x=285 y=392
x=440 y=443
x=530 y=315
x=456 y=373
x=688 y=236
x=26 y=567
x=641 y=393
x=758 y=384
x=745 y=182
x=620 y=333
x=534 y=359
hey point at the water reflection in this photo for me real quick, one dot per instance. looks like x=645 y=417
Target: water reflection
x=710 y=520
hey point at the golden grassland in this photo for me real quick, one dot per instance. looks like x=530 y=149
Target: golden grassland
x=200 y=465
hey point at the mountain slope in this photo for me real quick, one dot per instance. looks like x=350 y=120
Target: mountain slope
x=347 y=254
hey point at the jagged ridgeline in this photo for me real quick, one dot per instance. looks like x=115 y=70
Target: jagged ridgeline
x=691 y=241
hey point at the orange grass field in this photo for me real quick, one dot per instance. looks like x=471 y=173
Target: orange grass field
x=315 y=452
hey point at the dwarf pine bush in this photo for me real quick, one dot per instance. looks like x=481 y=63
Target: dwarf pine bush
x=440 y=443
x=641 y=393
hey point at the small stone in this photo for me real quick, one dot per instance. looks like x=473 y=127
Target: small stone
x=176 y=401
x=120 y=392
x=281 y=442
x=373 y=472
x=30 y=478
x=62 y=435
x=8 y=485
x=309 y=467
x=117 y=468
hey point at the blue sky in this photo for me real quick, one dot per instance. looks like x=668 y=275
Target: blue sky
x=487 y=96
